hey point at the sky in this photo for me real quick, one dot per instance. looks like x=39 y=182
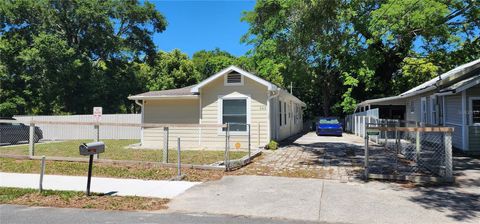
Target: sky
x=195 y=25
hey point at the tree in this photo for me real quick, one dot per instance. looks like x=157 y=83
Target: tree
x=171 y=70
x=366 y=45
x=208 y=63
x=68 y=56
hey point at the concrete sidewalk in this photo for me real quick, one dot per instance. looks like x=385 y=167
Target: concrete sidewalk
x=123 y=187
x=330 y=201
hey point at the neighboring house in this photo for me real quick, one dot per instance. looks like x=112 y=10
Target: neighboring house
x=451 y=99
x=231 y=95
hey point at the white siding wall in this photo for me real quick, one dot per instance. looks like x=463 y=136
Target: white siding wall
x=289 y=126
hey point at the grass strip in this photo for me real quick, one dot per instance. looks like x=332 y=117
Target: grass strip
x=73 y=199
x=119 y=150
x=135 y=171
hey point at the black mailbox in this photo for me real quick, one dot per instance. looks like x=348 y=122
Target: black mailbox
x=92 y=148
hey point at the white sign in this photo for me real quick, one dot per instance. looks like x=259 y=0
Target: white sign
x=97 y=113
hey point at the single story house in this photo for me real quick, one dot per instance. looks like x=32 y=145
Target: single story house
x=232 y=95
x=451 y=99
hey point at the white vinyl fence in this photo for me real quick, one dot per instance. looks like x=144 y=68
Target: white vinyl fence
x=68 y=132
x=355 y=123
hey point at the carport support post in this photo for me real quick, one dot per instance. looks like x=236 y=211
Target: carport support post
x=31 y=140
x=448 y=156
x=366 y=158
x=165 y=144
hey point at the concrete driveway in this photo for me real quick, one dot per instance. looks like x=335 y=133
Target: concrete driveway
x=328 y=201
x=337 y=194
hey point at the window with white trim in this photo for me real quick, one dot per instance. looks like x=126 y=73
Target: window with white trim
x=475 y=113
x=233 y=79
x=433 y=110
x=235 y=111
x=280 y=112
x=412 y=106
x=423 y=110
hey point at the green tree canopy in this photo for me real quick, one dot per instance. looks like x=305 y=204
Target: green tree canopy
x=171 y=70
x=68 y=56
x=374 y=48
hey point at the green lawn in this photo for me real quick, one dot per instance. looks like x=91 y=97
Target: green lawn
x=116 y=150
x=135 y=171
x=73 y=199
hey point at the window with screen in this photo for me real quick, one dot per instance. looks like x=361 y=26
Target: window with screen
x=476 y=111
x=285 y=113
x=235 y=111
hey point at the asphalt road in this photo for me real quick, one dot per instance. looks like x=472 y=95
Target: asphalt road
x=13 y=214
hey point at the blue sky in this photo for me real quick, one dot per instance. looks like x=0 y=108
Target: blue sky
x=197 y=25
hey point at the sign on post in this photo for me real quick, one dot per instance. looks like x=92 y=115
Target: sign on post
x=97 y=113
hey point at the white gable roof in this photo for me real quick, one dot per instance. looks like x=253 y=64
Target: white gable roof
x=232 y=68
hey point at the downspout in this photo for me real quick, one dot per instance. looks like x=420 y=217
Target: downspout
x=141 y=128
x=275 y=94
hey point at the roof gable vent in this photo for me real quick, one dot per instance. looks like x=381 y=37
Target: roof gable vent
x=234 y=79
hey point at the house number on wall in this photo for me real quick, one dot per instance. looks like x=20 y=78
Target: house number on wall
x=263 y=107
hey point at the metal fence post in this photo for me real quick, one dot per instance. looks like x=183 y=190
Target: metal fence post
x=97 y=137
x=397 y=142
x=42 y=172
x=31 y=140
x=249 y=145
x=179 y=167
x=366 y=158
x=165 y=144
x=417 y=147
x=448 y=156
x=227 y=146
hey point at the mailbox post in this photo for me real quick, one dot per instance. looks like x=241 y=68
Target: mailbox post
x=91 y=149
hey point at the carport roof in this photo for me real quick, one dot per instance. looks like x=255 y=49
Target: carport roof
x=446 y=78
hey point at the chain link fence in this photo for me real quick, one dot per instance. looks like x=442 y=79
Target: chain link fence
x=222 y=146
x=407 y=151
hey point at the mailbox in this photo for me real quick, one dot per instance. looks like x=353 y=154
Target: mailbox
x=92 y=148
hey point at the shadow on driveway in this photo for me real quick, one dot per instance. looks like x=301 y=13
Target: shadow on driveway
x=461 y=200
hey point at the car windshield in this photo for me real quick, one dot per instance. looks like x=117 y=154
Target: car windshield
x=328 y=121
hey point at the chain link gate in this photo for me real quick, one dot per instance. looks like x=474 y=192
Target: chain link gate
x=408 y=153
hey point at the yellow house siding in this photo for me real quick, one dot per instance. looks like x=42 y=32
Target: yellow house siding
x=258 y=110
x=169 y=111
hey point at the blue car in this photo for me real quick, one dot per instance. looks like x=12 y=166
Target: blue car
x=329 y=126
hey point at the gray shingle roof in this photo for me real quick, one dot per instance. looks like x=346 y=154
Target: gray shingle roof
x=169 y=92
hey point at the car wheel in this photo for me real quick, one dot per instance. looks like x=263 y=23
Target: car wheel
x=36 y=139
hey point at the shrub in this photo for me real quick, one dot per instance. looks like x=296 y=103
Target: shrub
x=272 y=145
